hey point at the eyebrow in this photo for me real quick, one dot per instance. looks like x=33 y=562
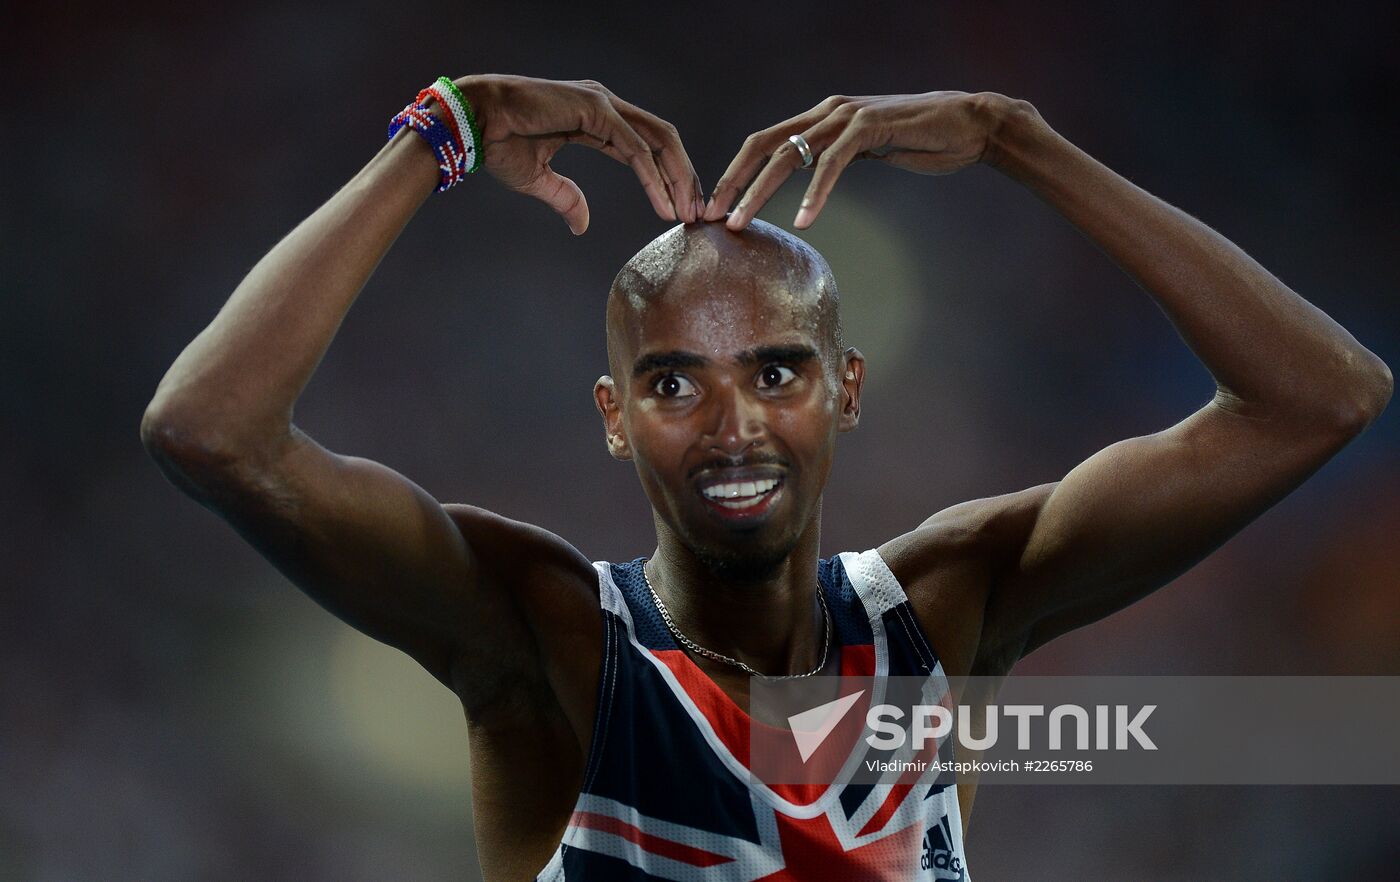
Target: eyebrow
x=679 y=358
x=655 y=361
x=794 y=354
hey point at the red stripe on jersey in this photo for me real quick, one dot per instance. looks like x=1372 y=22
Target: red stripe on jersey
x=813 y=853
x=733 y=726
x=666 y=848
x=886 y=810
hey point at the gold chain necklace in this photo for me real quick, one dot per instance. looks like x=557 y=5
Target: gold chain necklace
x=710 y=653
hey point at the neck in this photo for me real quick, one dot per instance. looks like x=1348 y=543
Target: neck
x=773 y=622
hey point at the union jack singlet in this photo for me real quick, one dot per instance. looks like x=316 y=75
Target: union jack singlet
x=667 y=790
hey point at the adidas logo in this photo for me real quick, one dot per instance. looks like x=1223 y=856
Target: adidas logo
x=939 y=856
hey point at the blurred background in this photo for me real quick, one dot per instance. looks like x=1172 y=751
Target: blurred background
x=172 y=709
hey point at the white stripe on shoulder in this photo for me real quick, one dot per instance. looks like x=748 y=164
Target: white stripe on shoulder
x=609 y=595
x=877 y=587
x=554 y=870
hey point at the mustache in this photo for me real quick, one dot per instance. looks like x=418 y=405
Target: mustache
x=738 y=462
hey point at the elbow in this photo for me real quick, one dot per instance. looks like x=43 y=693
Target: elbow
x=192 y=452
x=1363 y=400
x=1379 y=385
x=171 y=439
x=185 y=456
x=1336 y=408
x=212 y=466
x=158 y=433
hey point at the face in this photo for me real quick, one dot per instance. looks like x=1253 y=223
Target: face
x=729 y=401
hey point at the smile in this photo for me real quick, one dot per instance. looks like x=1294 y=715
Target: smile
x=740 y=495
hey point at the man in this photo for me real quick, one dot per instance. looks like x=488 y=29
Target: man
x=728 y=387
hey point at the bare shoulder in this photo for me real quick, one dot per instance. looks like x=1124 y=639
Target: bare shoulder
x=949 y=563
x=550 y=581
x=976 y=529
x=515 y=550
x=530 y=689
x=544 y=615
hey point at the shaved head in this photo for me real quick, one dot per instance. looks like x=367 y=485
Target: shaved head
x=708 y=261
x=728 y=368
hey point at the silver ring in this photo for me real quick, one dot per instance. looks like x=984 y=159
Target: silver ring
x=803 y=148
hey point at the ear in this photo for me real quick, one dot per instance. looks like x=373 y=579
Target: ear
x=608 y=400
x=852 y=379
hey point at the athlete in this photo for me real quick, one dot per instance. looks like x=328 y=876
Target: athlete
x=606 y=702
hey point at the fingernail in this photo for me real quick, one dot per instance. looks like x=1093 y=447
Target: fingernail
x=804 y=218
x=699 y=206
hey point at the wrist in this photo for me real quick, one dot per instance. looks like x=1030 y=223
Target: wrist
x=1012 y=127
x=478 y=89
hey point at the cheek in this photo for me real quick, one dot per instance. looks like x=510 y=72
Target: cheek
x=814 y=415
x=808 y=433
x=816 y=427
x=646 y=430
x=658 y=442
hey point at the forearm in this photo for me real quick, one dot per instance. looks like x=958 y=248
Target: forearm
x=235 y=385
x=1271 y=352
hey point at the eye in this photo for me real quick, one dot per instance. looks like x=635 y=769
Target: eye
x=775 y=375
x=674 y=386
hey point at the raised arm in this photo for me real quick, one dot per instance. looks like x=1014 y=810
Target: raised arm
x=364 y=541
x=1293 y=387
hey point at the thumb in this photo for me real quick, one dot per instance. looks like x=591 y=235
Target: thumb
x=562 y=195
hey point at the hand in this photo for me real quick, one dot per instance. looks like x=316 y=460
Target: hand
x=524 y=122
x=935 y=133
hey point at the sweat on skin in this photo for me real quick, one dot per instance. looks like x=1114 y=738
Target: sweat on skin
x=703 y=298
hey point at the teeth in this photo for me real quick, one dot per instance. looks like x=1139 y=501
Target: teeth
x=747 y=503
x=750 y=491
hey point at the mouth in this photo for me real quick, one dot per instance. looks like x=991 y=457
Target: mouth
x=741 y=493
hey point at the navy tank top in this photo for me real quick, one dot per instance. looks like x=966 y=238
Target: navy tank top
x=668 y=794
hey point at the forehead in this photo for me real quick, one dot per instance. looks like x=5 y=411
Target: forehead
x=704 y=290
x=720 y=313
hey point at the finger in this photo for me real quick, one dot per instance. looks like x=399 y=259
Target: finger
x=785 y=160
x=834 y=160
x=613 y=152
x=562 y=195
x=631 y=149
x=670 y=157
x=756 y=150
x=747 y=163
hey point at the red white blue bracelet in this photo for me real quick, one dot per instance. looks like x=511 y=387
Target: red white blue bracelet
x=454 y=136
x=459 y=116
x=448 y=150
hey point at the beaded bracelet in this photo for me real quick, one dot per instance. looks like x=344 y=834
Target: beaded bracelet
x=446 y=148
x=459 y=117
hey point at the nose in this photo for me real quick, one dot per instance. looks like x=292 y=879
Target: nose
x=735 y=422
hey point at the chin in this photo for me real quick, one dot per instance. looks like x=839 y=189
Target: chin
x=743 y=563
